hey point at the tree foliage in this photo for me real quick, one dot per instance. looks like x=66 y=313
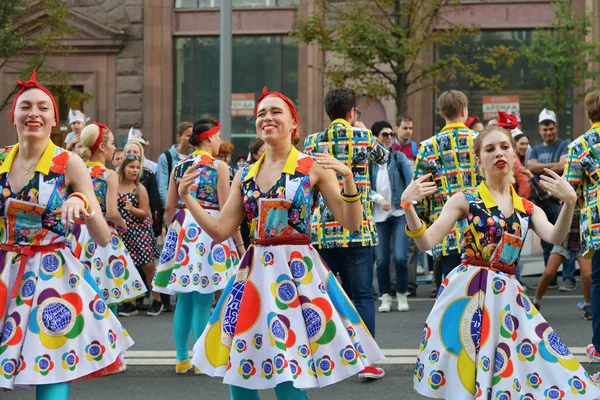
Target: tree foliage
x=18 y=52
x=562 y=55
x=384 y=48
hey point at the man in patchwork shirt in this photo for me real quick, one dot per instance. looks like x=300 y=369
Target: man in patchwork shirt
x=582 y=170
x=450 y=159
x=349 y=253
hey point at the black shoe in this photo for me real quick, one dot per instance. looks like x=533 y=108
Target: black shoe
x=155 y=309
x=587 y=312
x=412 y=292
x=127 y=310
x=167 y=308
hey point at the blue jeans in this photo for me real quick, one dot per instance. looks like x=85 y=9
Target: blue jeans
x=392 y=228
x=595 y=299
x=356 y=263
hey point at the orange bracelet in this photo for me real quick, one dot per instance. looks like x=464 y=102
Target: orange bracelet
x=81 y=197
x=348 y=177
x=405 y=206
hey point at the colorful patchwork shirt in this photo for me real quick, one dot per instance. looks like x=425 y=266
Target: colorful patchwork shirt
x=30 y=216
x=582 y=171
x=356 y=148
x=204 y=189
x=450 y=159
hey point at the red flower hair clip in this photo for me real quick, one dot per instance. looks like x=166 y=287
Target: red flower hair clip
x=507 y=121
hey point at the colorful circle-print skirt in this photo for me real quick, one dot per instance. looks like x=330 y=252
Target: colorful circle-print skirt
x=191 y=261
x=484 y=339
x=111 y=267
x=284 y=317
x=57 y=328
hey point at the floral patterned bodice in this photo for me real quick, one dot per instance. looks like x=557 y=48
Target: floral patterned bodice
x=490 y=235
x=99 y=174
x=32 y=215
x=204 y=190
x=286 y=207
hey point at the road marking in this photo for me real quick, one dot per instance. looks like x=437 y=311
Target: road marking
x=393 y=357
x=553 y=297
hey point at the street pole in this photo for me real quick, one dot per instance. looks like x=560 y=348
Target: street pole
x=225 y=72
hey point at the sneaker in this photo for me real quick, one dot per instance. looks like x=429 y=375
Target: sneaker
x=182 y=367
x=552 y=286
x=537 y=304
x=402 y=302
x=568 y=286
x=420 y=270
x=592 y=353
x=386 y=303
x=412 y=292
x=587 y=312
x=433 y=293
x=127 y=310
x=596 y=378
x=197 y=371
x=371 y=372
x=155 y=309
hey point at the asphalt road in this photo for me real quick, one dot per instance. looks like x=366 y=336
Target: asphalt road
x=150 y=373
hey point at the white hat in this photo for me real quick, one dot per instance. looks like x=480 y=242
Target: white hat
x=135 y=135
x=77 y=116
x=516 y=132
x=547 y=115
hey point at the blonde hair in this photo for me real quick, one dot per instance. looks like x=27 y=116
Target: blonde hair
x=477 y=143
x=89 y=134
x=139 y=145
x=592 y=105
x=451 y=102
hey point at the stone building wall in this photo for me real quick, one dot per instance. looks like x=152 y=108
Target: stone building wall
x=127 y=16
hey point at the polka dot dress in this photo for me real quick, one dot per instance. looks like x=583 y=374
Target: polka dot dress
x=139 y=238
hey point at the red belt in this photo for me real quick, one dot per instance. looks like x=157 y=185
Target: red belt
x=25 y=252
x=507 y=268
x=296 y=238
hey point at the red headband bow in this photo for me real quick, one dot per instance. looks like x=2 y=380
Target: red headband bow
x=472 y=119
x=101 y=129
x=283 y=97
x=507 y=121
x=30 y=84
x=212 y=131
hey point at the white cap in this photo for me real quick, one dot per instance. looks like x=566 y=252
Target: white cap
x=547 y=115
x=516 y=132
x=77 y=116
x=135 y=135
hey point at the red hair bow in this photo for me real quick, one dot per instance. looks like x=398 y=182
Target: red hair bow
x=265 y=93
x=102 y=128
x=472 y=119
x=30 y=84
x=212 y=131
x=507 y=121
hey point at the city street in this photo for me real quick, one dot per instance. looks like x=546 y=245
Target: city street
x=150 y=363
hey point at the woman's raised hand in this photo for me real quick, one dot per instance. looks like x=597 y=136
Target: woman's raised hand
x=187 y=180
x=558 y=186
x=418 y=189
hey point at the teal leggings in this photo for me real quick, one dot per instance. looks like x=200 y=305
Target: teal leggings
x=283 y=391
x=53 y=391
x=192 y=313
x=114 y=308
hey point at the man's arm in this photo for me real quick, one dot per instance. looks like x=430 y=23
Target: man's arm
x=378 y=153
x=162 y=178
x=537 y=168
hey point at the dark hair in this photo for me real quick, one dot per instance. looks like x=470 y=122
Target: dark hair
x=400 y=120
x=378 y=127
x=255 y=145
x=126 y=161
x=339 y=102
x=518 y=137
x=547 y=122
x=199 y=128
x=182 y=127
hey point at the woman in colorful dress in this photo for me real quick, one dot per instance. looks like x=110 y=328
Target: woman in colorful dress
x=138 y=238
x=192 y=265
x=111 y=267
x=483 y=338
x=283 y=321
x=55 y=327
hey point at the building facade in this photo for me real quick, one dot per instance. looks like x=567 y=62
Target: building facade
x=153 y=63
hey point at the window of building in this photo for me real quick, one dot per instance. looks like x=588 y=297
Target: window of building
x=519 y=82
x=235 y=3
x=258 y=61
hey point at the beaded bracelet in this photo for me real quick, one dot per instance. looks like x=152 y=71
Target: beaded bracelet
x=352 y=198
x=418 y=233
x=82 y=197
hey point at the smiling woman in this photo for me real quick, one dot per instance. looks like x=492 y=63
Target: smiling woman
x=45 y=298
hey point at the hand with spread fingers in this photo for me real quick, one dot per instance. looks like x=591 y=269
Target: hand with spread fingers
x=558 y=186
x=74 y=209
x=327 y=161
x=418 y=189
x=187 y=180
